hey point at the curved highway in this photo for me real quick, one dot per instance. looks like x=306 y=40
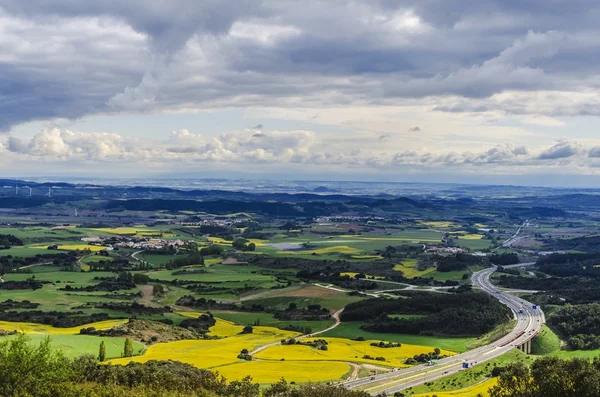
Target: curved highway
x=529 y=323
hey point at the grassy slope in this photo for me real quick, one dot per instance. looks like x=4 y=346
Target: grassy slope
x=78 y=345
x=545 y=342
x=565 y=354
x=266 y=319
x=493 y=336
x=469 y=377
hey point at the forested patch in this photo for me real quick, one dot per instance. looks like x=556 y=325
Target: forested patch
x=567 y=265
x=55 y=319
x=550 y=376
x=556 y=290
x=504 y=259
x=8 y=263
x=8 y=240
x=30 y=283
x=457 y=262
x=579 y=324
x=469 y=313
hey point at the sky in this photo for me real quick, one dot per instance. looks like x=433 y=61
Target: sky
x=498 y=91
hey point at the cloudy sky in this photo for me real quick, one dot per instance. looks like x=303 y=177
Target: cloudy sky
x=499 y=91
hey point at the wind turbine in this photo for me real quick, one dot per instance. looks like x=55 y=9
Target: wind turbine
x=27 y=187
x=49 y=194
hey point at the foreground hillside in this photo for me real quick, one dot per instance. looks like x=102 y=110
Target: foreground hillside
x=39 y=371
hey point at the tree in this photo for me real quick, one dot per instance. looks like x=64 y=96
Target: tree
x=247 y=329
x=550 y=376
x=157 y=289
x=102 y=352
x=243 y=388
x=28 y=370
x=128 y=348
x=140 y=278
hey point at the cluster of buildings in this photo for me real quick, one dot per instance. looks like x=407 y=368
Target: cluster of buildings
x=446 y=250
x=223 y=222
x=350 y=218
x=140 y=243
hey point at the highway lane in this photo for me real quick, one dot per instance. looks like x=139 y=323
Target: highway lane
x=529 y=323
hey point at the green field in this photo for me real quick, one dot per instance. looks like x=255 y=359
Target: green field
x=587 y=354
x=474 y=245
x=266 y=319
x=78 y=345
x=546 y=342
x=352 y=330
x=50 y=296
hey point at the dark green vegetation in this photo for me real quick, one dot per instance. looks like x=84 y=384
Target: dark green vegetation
x=579 y=324
x=550 y=376
x=561 y=278
x=8 y=240
x=466 y=314
x=457 y=262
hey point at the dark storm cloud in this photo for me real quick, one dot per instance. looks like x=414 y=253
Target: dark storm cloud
x=70 y=58
x=169 y=23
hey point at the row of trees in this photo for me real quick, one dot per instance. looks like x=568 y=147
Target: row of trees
x=128 y=350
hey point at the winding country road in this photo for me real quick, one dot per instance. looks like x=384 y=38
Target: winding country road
x=529 y=323
x=335 y=316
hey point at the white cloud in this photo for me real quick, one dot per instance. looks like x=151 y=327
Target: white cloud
x=285 y=148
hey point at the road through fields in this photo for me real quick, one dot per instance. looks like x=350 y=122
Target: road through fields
x=529 y=323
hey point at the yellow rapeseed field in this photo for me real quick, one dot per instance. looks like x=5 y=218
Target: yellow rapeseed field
x=127 y=230
x=353 y=274
x=32 y=328
x=222 y=328
x=212 y=261
x=367 y=257
x=292 y=371
x=72 y=247
x=472 y=391
x=219 y=240
x=300 y=364
x=340 y=349
x=338 y=249
x=212 y=353
x=443 y=224
x=408 y=267
x=222 y=241
x=471 y=237
x=429 y=240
